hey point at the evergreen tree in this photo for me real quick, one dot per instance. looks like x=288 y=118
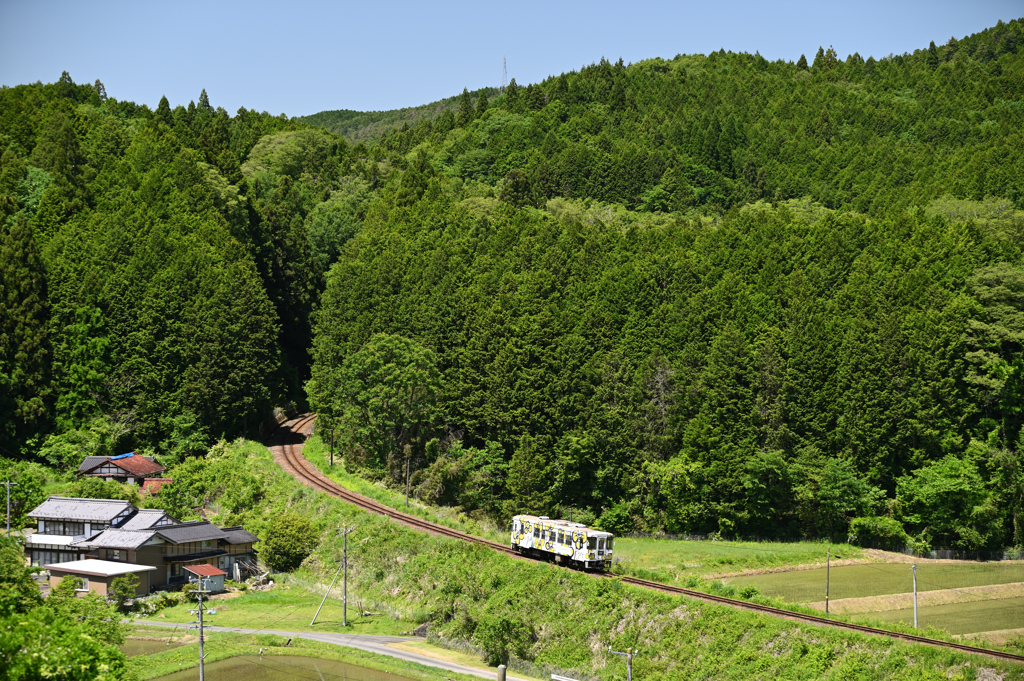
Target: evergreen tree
x=481 y=104
x=465 y=116
x=163 y=112
x=24 y=338
x=802 y=63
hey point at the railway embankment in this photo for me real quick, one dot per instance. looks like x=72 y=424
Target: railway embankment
x=551 y=617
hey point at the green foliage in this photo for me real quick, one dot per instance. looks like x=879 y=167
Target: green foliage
x=385 y=396
x=65 y=637
x=502 y=636
x=100 y=436
x=122 y=589
x=88 y=487
x=18 y=591
x=946 y=502
x=30 y=479
x=878 y=532
x=290 y=539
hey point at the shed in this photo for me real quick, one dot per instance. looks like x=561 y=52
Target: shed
x=208 y=572
x=97 y=574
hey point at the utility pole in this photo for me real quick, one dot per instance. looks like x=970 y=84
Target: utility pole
x=914 y=568
x=199 y=613
x=408 y=456
x=9 y=485
x=828 y=571
x=629 y=660
x=345 y=531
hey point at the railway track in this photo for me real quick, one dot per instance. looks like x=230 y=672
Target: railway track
x=288 y=453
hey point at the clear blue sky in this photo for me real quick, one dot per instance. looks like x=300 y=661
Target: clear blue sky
x=302 y=57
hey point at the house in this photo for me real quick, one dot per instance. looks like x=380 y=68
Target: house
x=63 y=520
x=96 y=575
x=213 y=577
x=173 y=548
x=113 y=531
x=127 y=468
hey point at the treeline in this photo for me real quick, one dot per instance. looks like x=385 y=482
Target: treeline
x=156 y=278
x=710 y=294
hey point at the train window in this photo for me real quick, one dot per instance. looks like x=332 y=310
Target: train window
x=561 y=537
x=536 y=532
x=592 y=543
x=609 y=543
x=600 y=544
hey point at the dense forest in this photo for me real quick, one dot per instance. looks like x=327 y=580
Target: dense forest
x=710 y=294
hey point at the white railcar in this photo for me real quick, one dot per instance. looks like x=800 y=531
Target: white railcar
x=565 y=542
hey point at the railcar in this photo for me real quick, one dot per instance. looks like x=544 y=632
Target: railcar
x=564 y=542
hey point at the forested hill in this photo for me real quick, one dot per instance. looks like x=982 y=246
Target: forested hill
x=712 y=293
x=368 y=126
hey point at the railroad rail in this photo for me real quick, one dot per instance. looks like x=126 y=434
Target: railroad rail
x=287 y=452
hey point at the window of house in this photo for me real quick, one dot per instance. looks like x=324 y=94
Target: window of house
x=115 y=554
x=85 y=584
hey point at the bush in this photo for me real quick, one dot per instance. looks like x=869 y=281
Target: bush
x=290 y=538
x=616 y=520
x=502 y=636
x=878 y=532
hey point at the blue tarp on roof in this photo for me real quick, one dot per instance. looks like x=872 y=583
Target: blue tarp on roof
x=122 y=456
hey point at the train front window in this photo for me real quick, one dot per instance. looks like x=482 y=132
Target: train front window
x=600 y=544
x=609 y=543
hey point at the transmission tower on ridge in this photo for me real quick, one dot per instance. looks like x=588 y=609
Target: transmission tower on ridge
x=504 y=75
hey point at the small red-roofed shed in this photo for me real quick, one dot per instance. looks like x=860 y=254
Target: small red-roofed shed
x=152 y=485
x=212 y=575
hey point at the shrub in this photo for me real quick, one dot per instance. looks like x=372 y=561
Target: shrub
x=616 y=520
x=290 y=538
x=502 y=636
x=878 y=532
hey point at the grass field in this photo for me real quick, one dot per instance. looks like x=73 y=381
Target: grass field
x=877 y=579
x=673 y=561
x=291 y=607
x=959 y=618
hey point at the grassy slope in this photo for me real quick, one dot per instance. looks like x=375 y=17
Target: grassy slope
x=574 y=618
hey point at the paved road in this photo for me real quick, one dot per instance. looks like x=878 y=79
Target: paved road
x=372 y=644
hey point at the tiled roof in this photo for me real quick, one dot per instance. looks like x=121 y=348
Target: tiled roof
x=91 y=461
x=59 y=508
x=133 y=465
x=98 y=568
x=204 y=570
x=115 y=539
x=146 y=518
x=196 y=530
x=153 y=485
x=238 y=535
